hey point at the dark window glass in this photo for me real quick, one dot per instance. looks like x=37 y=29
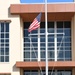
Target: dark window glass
x=67 y=54
x=42 y=54
x=2 y=58
x=2 y=35
x=7 y=27
x=7 y=51
x=4 y=42
x=2 y=27
x=60 y=54
x=26 y=25
x=42 y=39
x=59 y=24
x=34 y=54
x=50 y=24
x=50 y=54
x=42 y=25
x=27 y=54
x=6 y=35
x=67 y=32
x=2 y=51
x=6 y=58
x=67 y=24
x=50 y=39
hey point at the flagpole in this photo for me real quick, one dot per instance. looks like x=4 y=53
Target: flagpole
x=46 y=34
x=38 y=44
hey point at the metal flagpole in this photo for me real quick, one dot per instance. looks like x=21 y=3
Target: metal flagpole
x=38 y=44
x=46 y=34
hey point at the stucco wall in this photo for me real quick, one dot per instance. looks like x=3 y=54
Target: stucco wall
x=15 y=45
x=16 y=30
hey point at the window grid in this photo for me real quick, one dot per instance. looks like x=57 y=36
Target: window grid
x=55 y=72
x=65 y=46
x=4 y=42
x=30 y=48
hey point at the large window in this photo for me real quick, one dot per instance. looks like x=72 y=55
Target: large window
x=59 y=42
x=54 y=72
x=4 y=42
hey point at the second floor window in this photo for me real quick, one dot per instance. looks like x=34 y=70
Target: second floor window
x=59 y=42
x=4 y=42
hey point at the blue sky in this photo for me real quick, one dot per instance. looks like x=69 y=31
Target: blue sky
x=42 y=1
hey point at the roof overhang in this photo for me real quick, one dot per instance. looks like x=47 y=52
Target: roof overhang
x=28 y=12
x=36 y=65
x=36 y=8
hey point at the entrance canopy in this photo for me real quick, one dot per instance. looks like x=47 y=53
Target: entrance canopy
x=59 y=12
x=58 y=65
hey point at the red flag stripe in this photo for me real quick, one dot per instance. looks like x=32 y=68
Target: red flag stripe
x=33 y=24
x=36 y=26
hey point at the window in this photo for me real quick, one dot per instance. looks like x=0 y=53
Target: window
x=59 y=42
x=31 y=72
x=4 y=42
x=50 y=72
x=30 y=45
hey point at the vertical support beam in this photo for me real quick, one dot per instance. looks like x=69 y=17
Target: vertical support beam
x=21 y=72
x=73 y=71
x=73 y=38
x=21 y=40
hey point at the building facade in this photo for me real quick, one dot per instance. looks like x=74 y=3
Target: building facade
x=23 y=52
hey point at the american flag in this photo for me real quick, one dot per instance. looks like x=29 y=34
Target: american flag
x=35 y=24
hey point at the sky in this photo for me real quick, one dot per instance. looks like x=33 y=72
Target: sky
x=42 y=1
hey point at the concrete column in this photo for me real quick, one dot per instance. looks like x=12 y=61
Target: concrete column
x=73 y=38
x=21 y=40
x=21 y=71
x=73 y=71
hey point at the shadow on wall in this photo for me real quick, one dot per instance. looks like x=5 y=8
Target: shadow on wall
x=10 y=15
x=15 y=69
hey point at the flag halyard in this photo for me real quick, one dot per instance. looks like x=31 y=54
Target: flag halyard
x=35 y=24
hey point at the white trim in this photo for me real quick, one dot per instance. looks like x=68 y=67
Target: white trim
x=47 y=33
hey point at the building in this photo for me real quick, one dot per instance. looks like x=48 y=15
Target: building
x=20 y=56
